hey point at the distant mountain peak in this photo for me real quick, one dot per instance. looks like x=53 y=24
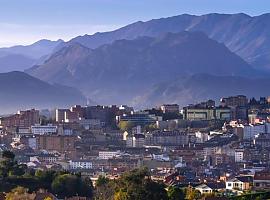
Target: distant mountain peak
x=23 y=57
x=47 y=42
x=71 y=50
x=239 y=32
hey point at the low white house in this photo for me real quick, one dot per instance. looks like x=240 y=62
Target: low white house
x=239 y=183
x=204 y=189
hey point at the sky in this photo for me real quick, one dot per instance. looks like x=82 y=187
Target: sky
x=26 y=21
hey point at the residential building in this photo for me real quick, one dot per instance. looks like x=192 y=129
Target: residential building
x=21 y=119
x=135 y=140
x=238 y=105
x=239 y=183
x=108 y=154
x=234 y=101
x=189 y=152
x=24 y=131
x=261 y=180
x=262 y=140
x=90 y=123
x=136 y=130
x=239 y=155
x=60 y=143
x=139 y=118
x=60 y=115
x=250 y=131
x=123 y=164
x=48 y=158
x=71 y=116
x=44 y=129
x=170 y=108
x=204 y=189
x=80 y=164
x=167 y=138
x=106 y=114
x=206 y=113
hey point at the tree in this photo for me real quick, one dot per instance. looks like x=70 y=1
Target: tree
x=104 y=189
x=175 y=193
x=45 y=177
x=138 y=185
x=68 y=185
x=9 y=166
x=8 y=155
x=20 y=193
x=102 y=180
x=192 y=194
x=125 y=125
x=155 y=190
x=17 y=170
x=150 y=127
x=120 y=195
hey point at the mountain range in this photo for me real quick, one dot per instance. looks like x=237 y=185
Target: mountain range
x=248 y=37
x=181 y=59
x=21 y=91
x=124 y=70
x=19 y=58
x=201 y=87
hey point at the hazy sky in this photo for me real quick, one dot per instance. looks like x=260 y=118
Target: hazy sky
x=26 y=21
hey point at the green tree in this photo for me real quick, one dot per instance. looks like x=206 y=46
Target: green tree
x=150 y=127
x=192 y=194
x=259 y=198
x=104 y=189
x=18 y=170
x=155 y=190
x=175 y=193
x=68 y=185
x=125 y=125
x=46 y=177
x=8 y=155
x=102 y=180
x=137 y=185
x=9 y=167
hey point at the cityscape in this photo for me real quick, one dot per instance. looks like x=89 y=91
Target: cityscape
x=135 y=100
x=215 y=148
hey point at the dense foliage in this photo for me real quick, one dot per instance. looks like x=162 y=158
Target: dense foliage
x=61 y=183
x=134 y=185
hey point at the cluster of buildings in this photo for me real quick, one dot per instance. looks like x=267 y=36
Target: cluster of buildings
x=224 y=147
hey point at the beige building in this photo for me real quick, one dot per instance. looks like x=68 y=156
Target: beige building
x=219 y=113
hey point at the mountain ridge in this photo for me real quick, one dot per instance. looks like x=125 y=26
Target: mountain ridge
x=21 y=91
x=201 y=87
x=134 y=66
x=247 y=36
x=22 y=57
